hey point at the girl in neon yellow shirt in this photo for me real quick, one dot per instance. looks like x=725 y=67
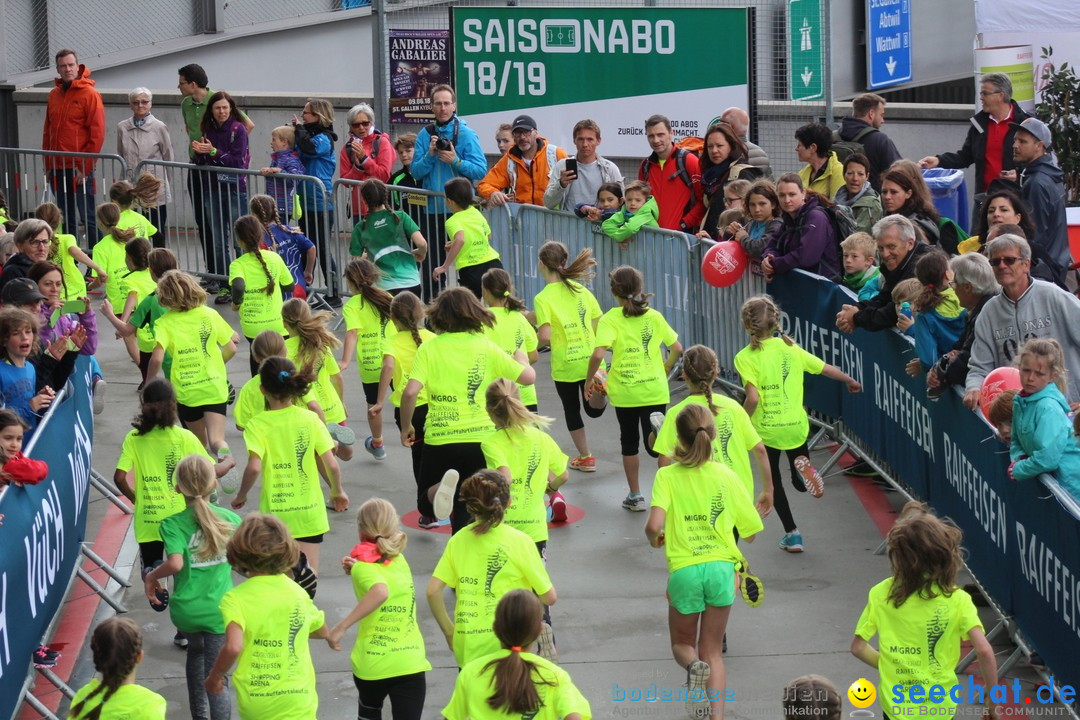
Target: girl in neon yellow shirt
x=468 y=244
x=697 y=506
x=388 y=658
x=144 y=193
x=138 y=284
x=512 y=331
x=257 y=280
x=251 y=401
x=637 y=384
x=117 y=649
x=108 y=254
x=65 y=252
x=518 y=683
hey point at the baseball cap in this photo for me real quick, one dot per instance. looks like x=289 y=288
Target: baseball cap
x=1036 y=127
x=21 y=291
x=523 y=121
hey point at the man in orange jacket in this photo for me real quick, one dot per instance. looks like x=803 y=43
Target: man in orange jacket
x=521 y=175
x=74 y=122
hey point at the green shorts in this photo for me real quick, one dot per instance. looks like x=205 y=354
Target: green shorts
x=692 y=588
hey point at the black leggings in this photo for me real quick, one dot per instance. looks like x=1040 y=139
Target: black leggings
x=417 y=450
x=630 y=420
x=780 y=501
x=572 y=395
x=406 y=693
x=466 y=458
x=472 y=276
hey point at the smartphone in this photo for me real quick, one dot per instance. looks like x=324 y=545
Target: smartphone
x=571 y=165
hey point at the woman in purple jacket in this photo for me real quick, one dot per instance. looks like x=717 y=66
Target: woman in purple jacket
x=224 y=144
x=807 y=240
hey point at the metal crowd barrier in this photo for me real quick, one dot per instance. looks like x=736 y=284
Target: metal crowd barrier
x=719 y=324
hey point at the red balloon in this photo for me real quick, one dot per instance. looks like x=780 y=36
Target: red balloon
x=998 y=381
x=723 y=264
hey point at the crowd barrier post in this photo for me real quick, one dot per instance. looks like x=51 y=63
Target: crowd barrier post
x=106 y=490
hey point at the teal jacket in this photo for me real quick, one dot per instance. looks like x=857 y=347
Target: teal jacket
x=1043 y=440
x=622 y=225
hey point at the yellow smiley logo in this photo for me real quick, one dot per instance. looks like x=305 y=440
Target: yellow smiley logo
x=862 y=693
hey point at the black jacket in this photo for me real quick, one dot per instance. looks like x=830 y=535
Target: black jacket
x=1042 y=189
x=17 y=266
x=957 y=370
x=879 y=313
x=879 y=148
x=974 y=150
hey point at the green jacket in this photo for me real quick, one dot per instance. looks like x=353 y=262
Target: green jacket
x=622 y=227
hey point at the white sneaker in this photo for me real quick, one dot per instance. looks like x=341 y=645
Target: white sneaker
x=99 y=396
x=546 y=644
x=697 y=694
x=444 y=494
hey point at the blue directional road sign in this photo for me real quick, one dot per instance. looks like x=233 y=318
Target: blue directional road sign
x=888 y=42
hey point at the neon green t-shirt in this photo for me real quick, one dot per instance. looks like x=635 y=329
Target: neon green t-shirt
x=476 y=248
x=476 y=682
x=325 y=368
x=483 y=568
x=513 y=332
x=919 y=642
x=146 y=314
x=130 y=219
x=154 y=456
x=455 y=390
x=110 y=256
x=199 y=586
x=140 y=283
x=274 y=677
x=198 y=369
x=735 y=435
x=402 y=348
x=129 y=702
x=260 y=311
x=74 y=282
x=388 y=642
x=702 y=505
x=250 y=402
x=637 y=376
x=532 y=456
x=287 y=441
x=371 y=331
x=776 y=370
x=570 y=315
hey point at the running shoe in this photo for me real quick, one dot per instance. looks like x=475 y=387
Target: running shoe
x=377 y=452
x=224 y=297
x=635 y=502
x=656 y=419
x=427 y=522
x=810 y=477
x=558 y=508
x=179 y=640
x=601 y=377
x=230 y=481
x=343 y=434
x=163 y=600
x=753 y=590
x=546 y=644
x=792 y=542
x=443 y=502
x=333 y=301
x=100 y=386
x=583 y=463
x=697 y=694
x=232 y=394
x=45 y=657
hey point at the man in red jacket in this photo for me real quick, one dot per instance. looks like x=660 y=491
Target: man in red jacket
x=74 y=122
x=674 y=176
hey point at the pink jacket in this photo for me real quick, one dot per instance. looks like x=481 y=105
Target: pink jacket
x=375 y=165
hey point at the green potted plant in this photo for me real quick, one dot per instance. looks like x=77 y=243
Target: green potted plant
x=1060 y=95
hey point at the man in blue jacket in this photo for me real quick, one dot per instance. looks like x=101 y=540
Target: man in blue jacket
x=1043 y=189
x=446 y=149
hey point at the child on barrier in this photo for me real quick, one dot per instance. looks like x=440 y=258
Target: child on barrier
x=194 y=541
x=283 y=159
x=729 y=219
x=483 y=562
x=141 y=322
x=18 y=375
x=609 y=198
x=367 y=329
x=563 y=300
x=512 y=331
x=109 y=256
x=861 y=275
x=736 y=437
x=65 y=252
x=414 y=204
x=637 y=384
x=289 y=447
x=14 y=466
x=116 y=646
x=139 y=284
x=310 y=346
x=268 y=621
x=763 y=206
x=812 y=696
x=512 y=682
x=391 y=239
x=772 y=371
x=639 y=210
x=906 y=291
x=921 y=616
x=250 y=401
x=258 y=279
x=1042 y=439
x=939 y=318
x=697 y=506
x=288 y=242
x=1000 y=415
x=468 y=244
x=144 y=193
x=389 y=658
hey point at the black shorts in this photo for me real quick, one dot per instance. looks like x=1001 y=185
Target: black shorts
x=371 y=392
x=633 y=426
x=471 y=276
x=188 y=414
x=152 y=553
x=312 y=539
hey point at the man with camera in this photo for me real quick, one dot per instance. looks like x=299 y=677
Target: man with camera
x=575 y=181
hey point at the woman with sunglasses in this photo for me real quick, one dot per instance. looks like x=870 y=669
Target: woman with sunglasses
x=367 y=153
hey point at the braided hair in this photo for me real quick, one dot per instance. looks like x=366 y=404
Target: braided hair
x=117 y=648
x=761 y=318
x=700 y=368
x=486 y=496
x=248 y=232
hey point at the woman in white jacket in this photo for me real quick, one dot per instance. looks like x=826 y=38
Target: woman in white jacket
x=143 y=137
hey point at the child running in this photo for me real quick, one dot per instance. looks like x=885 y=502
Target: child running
x=251 y=401
x=367 y=328
x=18 y=376
x=921 y=616
x=481 y=564
x=772 y=370
x=939 y=318
x=511 y=682
x=637 y=383
x=257 y=279
x=195 y=540
x=65 y=252
x=566 y=318
x=138 y=284
x=109 y=255
x=289 y=447
x=268 y=620
x=294 y=248
x=141 y=322
x=697 y=505
x=390 y=239
x=144 y=193
x=468 y=245
x=388 y=659
x=512 y=331
x=117 y=649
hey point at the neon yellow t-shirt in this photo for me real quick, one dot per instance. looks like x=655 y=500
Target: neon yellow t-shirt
x=483 y=568
x=455 y=390
x=287 y=441
x=570 y=315
x=74 y=282
x=325 y=368
x=371 y=331
x=140 y=283
x=776 y=370
x=403 y=349
x=735 y=435
x=476 y=248
x=111 y=256
x=274 y=677
x=250 y=402
x=388 y=642
x=919 y=641
x=475 y=684
x=154 y=456
x=129 y=702
x=198 y=368
x=260 y=311
x=130 y=219
x=532 y=455
x=513 y=332
x=702 y=505
x=637 y=376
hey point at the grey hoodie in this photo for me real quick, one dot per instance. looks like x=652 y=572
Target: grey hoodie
x=1044 y=311
x=1042 y=188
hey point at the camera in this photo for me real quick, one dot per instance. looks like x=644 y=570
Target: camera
x=443 y=144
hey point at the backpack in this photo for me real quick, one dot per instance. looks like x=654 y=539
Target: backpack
x=843 y=222
x=846 y=148
x=679 y=153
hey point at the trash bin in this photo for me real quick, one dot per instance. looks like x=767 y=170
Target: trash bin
x=949 y=191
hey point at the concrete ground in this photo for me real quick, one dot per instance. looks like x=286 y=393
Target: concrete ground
x=611 y=617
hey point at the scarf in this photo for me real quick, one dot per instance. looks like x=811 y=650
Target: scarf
x=314 y=128
x=713 y=179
